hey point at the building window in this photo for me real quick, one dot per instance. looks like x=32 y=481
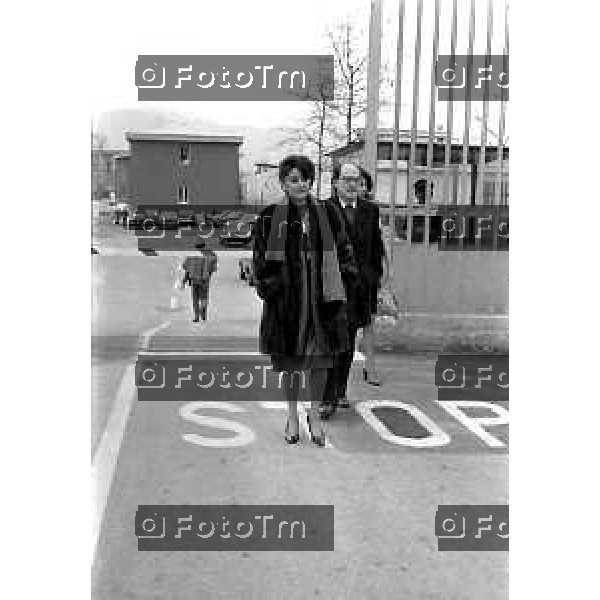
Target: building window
x=182 y=194
x=435 y=229
x=384 y=152
x=184 y=154
x=421 y=191
x=489 y=192
x=418 y=229
x=420 y=155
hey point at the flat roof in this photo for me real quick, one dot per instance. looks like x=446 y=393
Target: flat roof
x=165 y=136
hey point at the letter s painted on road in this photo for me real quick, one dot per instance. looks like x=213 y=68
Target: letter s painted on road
x=244 y=436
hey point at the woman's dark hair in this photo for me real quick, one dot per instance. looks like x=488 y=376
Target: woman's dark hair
x=295 y=161
x=368 y=179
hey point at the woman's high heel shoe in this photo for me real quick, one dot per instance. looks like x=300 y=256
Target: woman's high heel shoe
x=372 y=379
x=291 y=439
x=319 y=440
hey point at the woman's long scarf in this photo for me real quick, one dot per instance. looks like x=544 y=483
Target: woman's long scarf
x=331 y=278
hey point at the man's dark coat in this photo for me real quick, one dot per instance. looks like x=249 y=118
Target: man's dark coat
x=367 y=243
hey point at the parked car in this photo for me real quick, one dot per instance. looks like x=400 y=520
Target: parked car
x=235 y=215
x=186 y=217
x=237 y=233
x=170 y=219
x=120 y=212
x=136 y=218
x=216 y=219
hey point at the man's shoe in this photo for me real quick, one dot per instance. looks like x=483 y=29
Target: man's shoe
x=343 y=402
x=326 y=410
x=371 y=377
x=195 y=320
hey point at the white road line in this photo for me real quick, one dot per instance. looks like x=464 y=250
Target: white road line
x=197 y=353
x=107 y=452
x=105 y=459
x=452 y=316
x=145 y=337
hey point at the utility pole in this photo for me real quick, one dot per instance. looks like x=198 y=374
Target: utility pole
x=372 y=116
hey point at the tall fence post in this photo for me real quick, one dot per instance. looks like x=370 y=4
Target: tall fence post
x=372 y=116
x=450 y=112
x=481 y=170
x=414 y=126
x=396 y=135
x=431 y=133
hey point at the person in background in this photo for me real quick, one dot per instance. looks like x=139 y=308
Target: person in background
x=361 y=221
x=198 y=271
x=370 y=373
x=304 y=271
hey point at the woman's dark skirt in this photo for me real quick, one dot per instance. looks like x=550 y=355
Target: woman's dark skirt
x=310 y=358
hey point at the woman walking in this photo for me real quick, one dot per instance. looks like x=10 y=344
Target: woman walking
x=303 y=265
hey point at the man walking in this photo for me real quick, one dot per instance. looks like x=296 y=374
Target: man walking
x=361 y=219
x=198 y=271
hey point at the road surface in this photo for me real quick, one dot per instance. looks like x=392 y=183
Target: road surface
x=384 y=471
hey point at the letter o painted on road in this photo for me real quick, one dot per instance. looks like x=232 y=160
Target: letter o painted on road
x=437 y=438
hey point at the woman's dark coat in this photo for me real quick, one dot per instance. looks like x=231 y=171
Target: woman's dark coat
x=278 y=284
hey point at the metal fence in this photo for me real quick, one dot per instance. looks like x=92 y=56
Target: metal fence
x=451 y=167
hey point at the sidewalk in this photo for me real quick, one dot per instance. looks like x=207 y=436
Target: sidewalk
x=437 y=333
x=233 y=322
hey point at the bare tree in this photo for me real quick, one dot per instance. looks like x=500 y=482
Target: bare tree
x=98 y=144
x=491 y=130
x=331 y=122
x=350 y=49
x=351 y=73
x=318 y=131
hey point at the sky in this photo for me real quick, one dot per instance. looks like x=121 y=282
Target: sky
x=209 y=27
x=125 y=30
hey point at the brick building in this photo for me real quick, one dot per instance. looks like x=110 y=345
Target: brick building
x=183 y=168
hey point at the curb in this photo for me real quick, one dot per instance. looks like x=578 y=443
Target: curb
x=439 y=334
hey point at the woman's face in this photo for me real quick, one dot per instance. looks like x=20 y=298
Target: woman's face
x=295 y=186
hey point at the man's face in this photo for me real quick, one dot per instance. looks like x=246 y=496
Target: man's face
x=348 y=184
x=295 y=186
